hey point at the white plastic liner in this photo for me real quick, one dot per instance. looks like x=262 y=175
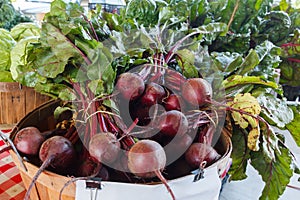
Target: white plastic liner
x=184 y=188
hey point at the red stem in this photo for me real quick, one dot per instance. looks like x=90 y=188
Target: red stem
x=290 y=45
x=92 y=27
x=176 y=46
x=294 y=60
x=45 y=164
x=164 y=181
x=101 y=120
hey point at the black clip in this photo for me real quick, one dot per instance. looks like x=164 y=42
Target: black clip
x=199 y=172
x=199 y=175
x=93 y=183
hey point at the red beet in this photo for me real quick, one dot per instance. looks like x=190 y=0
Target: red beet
x=88 y=167
x=147 y=159
x=153 y=94
x=172 y=102
x=198 y=153
x=104 y=147
x=130 y=85
x=177 y=147
x=28 y=140
x=196 y=91
x=173 y=122
x=57 y=152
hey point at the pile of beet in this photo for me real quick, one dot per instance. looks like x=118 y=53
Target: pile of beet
x=163 y=130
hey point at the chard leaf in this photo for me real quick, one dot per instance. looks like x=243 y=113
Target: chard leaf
x=251 y=61
x=294 y=126
x=48 y=65
x=144 y=11
x=186 y=62
x=55 y=90
x=21 y=68
x=100 y=72
x=60 y=110
x=23 y=30
x=275 y=172
x=237 y=80
x=61 y=46
x=6 y=44
x=240 y=154
x=227 y=62
x=277 y=22
x=248 y=104
x=5 y=76
x=275 y=111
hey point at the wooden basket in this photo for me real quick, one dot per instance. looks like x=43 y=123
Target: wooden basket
x=49 y=184
x=16 y=101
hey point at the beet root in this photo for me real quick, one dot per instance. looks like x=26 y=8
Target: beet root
x=28 y=140
x=104 y=147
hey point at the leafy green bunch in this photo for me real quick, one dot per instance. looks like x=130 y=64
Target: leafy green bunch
x=8 y=39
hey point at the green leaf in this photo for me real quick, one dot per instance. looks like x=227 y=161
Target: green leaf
x=275 y=111
x=186 y=62
x=5 y=76
x=101 y=72
x=294 y=126
x=6 y=44
x=276 y=173
x=249 y=63
x=237 y=80
x=61 y=46
x=23 y=30
x=239 y=155
x=21 y=68
x=227 y=62
x=59 y=110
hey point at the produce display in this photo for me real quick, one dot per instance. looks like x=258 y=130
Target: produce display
x=146 y=93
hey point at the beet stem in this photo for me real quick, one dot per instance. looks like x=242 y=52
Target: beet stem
x=164 y=181
x=45 y=164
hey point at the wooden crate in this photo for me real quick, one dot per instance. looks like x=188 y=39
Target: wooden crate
x=17 y=101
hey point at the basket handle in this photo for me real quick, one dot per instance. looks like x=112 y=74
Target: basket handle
x=7 y=139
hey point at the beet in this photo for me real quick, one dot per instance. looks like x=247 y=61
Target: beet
x=130 y=85
x=177 y=147
x=104 y=147
x=198 y=153
x=88 y=167
x=147 y=159
x=196 y=91
x=173 y=123
x=28 y=140
x=57 y=152
x=153 y=94
x=60 y=150
x=172 y=102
